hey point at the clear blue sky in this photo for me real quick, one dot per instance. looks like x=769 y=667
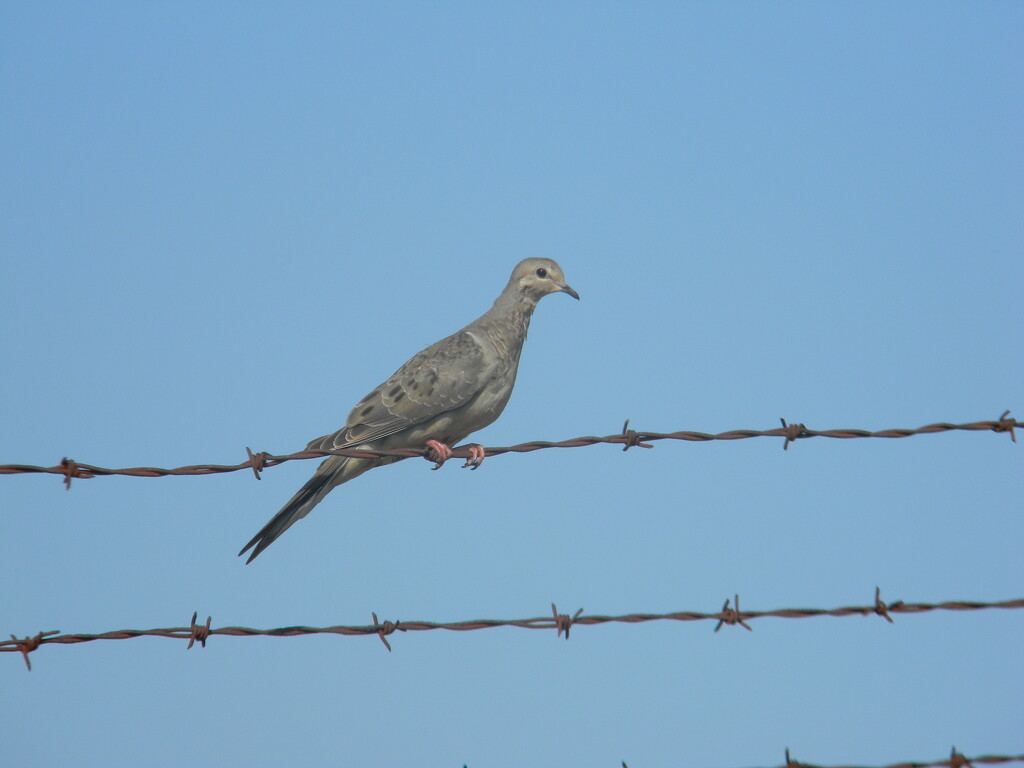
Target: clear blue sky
x=222 y=224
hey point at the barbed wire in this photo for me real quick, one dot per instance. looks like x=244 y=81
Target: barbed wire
x=628 y=438
x=731 y=615
x=955 y=760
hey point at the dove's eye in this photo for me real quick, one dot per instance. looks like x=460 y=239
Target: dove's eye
x=541 y=272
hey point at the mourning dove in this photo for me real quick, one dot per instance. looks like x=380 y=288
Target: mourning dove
x=438 y=398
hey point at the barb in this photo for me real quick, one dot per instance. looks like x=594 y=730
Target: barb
x=628 y=438
x=385 y=629
x=955 y=760
x=199 y=631
x=732 y=616
x=561 y=623
x=564 y=622
x=26 y=645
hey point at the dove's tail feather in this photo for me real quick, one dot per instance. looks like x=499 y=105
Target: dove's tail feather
x=334 y=471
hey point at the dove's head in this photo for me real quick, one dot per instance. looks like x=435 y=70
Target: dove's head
x=539 y=277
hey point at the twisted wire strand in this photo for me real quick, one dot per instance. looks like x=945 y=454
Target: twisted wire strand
x=731 y=614
x=628 y=438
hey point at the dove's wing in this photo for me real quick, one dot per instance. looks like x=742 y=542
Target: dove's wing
x=442 y=378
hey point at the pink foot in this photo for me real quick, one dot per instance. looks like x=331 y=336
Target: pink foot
x=439 y=452
x=477 y=454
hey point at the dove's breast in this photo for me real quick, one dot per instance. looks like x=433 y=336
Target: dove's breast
x=502 y=363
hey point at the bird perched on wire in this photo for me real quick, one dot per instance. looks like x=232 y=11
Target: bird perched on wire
x=439 y=397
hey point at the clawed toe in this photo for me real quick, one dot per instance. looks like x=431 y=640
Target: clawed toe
x=477 y=454
x=438 y=452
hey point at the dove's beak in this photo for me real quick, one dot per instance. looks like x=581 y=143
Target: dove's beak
x=564 y=288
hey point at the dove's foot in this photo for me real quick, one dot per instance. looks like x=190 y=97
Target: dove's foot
x=477 y=454
x=438 y=452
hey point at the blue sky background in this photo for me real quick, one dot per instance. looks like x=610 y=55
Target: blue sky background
x=222 y=224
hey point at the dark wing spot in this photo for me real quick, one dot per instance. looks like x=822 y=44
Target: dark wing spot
x=366 y=411
x=399 y=396
x=394 y=390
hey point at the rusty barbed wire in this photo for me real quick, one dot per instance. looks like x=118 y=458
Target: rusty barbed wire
x=955 y=760
x=628 y=438
x=562 y=623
